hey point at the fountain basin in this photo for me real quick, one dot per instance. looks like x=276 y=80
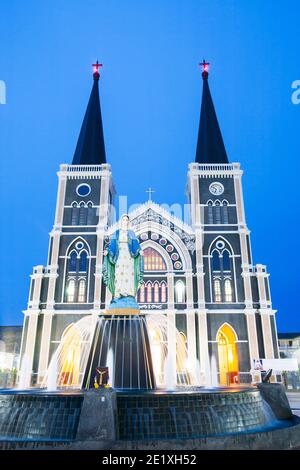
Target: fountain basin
x=108 y=418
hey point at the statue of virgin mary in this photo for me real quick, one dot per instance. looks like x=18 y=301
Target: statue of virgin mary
x=123 y=263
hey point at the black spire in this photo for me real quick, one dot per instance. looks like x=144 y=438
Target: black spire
x=90 y=149
x=210 y=145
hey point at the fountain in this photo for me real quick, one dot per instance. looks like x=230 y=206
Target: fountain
x=25 y=373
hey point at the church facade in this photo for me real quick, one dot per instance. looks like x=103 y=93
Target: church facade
x=200 y=275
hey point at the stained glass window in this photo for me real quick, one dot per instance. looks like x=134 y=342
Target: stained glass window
x=83 y=261
x=81 y=290
x=228 y=290
x=217 y=290
x=149 y=292
x=216 y=261
x=153 y=261
x=156 y=292
x=73 y=262
x=163 y=292
x=71 y=290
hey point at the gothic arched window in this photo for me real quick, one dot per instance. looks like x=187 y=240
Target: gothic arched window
x=149 y=291
x=225 y=212
x=218 y=212
x=156 y=292
x=81 y=290
x=179 y=292
x=73 y=262
x=83 y=261
x=77 y=269
x=71 y=290
x=217 y=290
x=216 y=265
x=153 y=261
x=163 y=292
x=210 y=212
x=82 y=214
x=90 y=213
x=228 y=290
x=226 y=261
x=222 y=272
x=75 y=214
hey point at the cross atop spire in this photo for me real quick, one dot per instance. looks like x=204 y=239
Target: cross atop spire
x=205 y=66
x=150 y=191
x=96 y=68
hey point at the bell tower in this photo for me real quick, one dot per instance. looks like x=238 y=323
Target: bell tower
x=227 y=282
x=70 y=285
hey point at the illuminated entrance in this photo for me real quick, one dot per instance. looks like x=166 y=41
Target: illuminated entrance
x=70 y=357
x=228 y=355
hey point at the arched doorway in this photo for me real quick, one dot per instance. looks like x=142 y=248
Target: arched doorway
x=228 y=355
x=70 y=357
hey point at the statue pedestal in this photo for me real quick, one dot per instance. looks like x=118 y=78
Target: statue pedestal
x=121 y=343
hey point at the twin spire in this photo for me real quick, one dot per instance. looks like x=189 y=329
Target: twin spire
x=90 y=149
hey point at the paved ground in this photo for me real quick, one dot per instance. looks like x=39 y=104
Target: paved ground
x=294 y=399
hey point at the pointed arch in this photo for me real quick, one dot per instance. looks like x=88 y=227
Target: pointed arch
x=155 y=257
x=72 y=261
x=164 y=292
x=83 y=255
x=229 y=331
x=226 y=260
x=148 y=287
x=156 y=292
x=179 y=292
x=70 y=290
x=226 y=338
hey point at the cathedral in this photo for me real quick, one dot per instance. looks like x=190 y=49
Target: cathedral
x=200 y=275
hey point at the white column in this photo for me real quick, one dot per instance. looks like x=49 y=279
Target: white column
x=191 y=342
x=53 y=269
x=30 y=344
x=62 y=181
x=267 y=334
x=252 y=341
x=45 y=346
x=203 y=345
x=172 y=343
x=37 y=277
x=170 y=281
x=189 y=290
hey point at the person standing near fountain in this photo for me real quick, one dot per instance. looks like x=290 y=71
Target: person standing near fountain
x=121 y=340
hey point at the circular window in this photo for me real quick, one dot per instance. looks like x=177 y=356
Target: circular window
x=144 y=236
x=83 y=190
x=220 y=244
x=79 y=245
x=177 y=265
x=163 y=241
x=170 y=248
x=154 y=236
x=174 y=256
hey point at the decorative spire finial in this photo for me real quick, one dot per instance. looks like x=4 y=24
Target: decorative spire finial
x=96 y=73
x=204 y=65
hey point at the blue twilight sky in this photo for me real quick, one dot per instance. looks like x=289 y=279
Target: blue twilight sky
x=150 y=95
